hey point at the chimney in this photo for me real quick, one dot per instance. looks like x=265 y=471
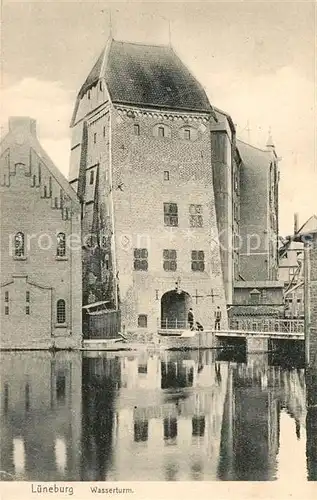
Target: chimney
x=296 y=225
x=22 y=124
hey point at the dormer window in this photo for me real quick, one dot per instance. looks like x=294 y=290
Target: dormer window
x=161 y=132
x=187 y=134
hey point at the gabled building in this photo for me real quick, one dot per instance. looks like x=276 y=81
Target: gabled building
x=141 y=165
x=41 y=284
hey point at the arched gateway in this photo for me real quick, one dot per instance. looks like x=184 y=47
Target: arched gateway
x=174 y=309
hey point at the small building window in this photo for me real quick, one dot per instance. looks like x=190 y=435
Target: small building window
x=19 y=245
x=61 y=245
x=61 y=311
x=60 y=386
x=6 y=310
x=161 y=131
x=27 y=396
x=100 y=86
x=27 y=310
x=88 y=95
x=170 y=214
x=169 y=260
x=255 y=296
x=187 y=134
x=95 y=138
x=166 y=175
x=91 y=177
x=140 y=259
x=27 y=296
x=45 y=192
x=198 y=260
x=136 y=128
x=104 y=131
x=195 y=215
x=142 y=321
x=6 y=296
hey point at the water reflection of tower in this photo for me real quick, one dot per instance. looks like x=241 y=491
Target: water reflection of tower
x=250 y=431
x=41 y=415
x=101 y=380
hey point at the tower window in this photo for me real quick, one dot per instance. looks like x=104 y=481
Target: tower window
x=6 y=296
x=141 y=259
x=166 y=175
x=88 y=95
x=161 y=132
x=95 y=138
x=6 y=310
x=142 y=321
x=27 y=310
x=195 y=216
x=136 y=128
x=100 y=85
x=104 y=131
x=61 y=245
x=169 y=260
x=27 y=296
x=187 y=134
x=92 y=177
x=61 y=311
x=198 y=260
x=19 y=245
x=170 y=214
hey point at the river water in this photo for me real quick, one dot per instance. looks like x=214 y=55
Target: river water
x=159 y=416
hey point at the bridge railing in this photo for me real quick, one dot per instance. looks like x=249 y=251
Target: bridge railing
x=268 y=325
x=173 y=324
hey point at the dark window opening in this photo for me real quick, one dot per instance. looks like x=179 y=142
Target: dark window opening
x=136 y=129
x=19 y=244
x=141 y=430
x=95 y=138
x=6 y=310
x=140 y=259
x=6 y=296
x=195 y=215
x=198 y=260
x=170 y=214
x=142 y=320
x=166 y=175
x=104 y=131
x=27 y=296
x=88 y=94
x=27 y=310
x=169 y=260
x=61 y=311
x=61 y=245
x=91 y=177
x=6 y=398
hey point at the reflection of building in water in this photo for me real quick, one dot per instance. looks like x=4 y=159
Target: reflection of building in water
x=169 y=430
x=40 y=415
x=101 y=379
x=311 y=423
x=251 y=427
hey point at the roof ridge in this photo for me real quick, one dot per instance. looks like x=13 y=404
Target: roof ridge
x=166 y=46
x=252 y=146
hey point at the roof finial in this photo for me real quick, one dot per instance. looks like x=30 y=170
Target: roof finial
x=270 y=142
x=169 y=33
x=110 y=24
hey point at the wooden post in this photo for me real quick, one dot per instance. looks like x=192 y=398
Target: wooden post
x=307 y=302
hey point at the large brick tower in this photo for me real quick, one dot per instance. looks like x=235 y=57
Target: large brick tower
x=141 y=164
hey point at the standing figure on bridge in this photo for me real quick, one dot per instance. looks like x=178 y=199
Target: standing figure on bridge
x=190 y=318
x=217 y=318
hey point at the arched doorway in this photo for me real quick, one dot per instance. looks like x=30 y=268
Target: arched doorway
x=174 y=309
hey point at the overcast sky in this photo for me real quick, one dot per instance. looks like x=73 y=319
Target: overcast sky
x=255 y=59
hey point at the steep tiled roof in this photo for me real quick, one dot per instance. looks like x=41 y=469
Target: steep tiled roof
x=147 y=75
x=254 y=157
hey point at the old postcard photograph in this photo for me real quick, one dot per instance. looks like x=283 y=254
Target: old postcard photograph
x=158 y=284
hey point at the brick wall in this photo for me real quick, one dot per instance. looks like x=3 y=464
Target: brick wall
x=48 y=278
x=138 y=166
